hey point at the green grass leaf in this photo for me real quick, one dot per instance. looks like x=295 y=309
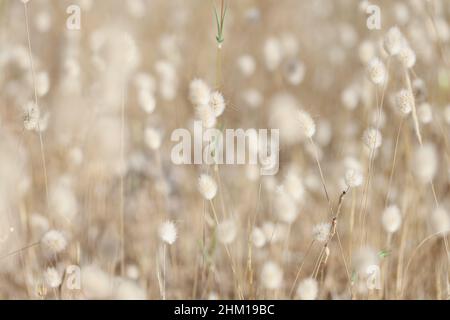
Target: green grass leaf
x=384 y=253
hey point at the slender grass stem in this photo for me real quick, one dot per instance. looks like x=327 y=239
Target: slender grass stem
x=372 y=159
x=19 y=250
x=33 y=75
x=122 y=184
x=316 y=156
x=391 y=175
x=299 y=270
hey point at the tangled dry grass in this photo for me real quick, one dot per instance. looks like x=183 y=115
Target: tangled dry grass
x=92 y=205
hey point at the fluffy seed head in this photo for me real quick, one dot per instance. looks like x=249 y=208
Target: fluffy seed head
x=274 y=232
x=350 y=97
x=206 y=115
x=226 y=231
x=425 y=113
x=217 y=103
x=152 y=138
x=95 y=283
x=53 y=242
x=420 y=90
x=307 y=124
x=364 y=258
x=52 y=277
x=246 y=64
x=425 y=163
x=129 y=290
x=273 y=53
x=258 y=237
x=372 y=138
x=321 y=232
x=294 y=71
x=376 y=71
x=404 y=101
x=353 y=178
x=31 y=116
x=199 y=92
x=401 y=13
x=63 y=201
x=366 y=51
x=252 y=97
x=442 y=29
x=391 y=219
x=393 y=41
x=271 y=275
x=207 y=186
x=283 y=114
x=407 y=56
x=308 y=289
x=447 y=114
x=294 y=185
x=285 y=207
x=133 y=272
x=145 y=82
x=42 y=83
x=168 y=232
x=440 y=221
x=146 y=101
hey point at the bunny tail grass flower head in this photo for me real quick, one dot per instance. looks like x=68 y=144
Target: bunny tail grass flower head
x=372 y=138
x=152 y=138
x=353 y=178
x=391 y=219
x=393 y=41
x=146 y=101
x=447 y=114
x=52 y=277
x=95 y=283
x=407 y=56
x=307 y=125
x=217 y=103
x=258 y=237
x=226 y=231
x=246 y=64
x=308 y=289
x=376 y=71
x=363 y=258
x=404 y=101
x=207 y=186
x=62 y=201
x=321 y=232
x=285 y=207
x=440 y=221
x=128 y=290
x=206 y=115
x=199 y=92
x=168 y=232
x=53 y=242
x=273 y=53
x=425 y=113
x=425 y=163
x=271 y=275
x=31 y=116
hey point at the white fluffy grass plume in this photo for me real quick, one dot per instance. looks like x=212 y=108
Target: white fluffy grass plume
x=207 y=186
